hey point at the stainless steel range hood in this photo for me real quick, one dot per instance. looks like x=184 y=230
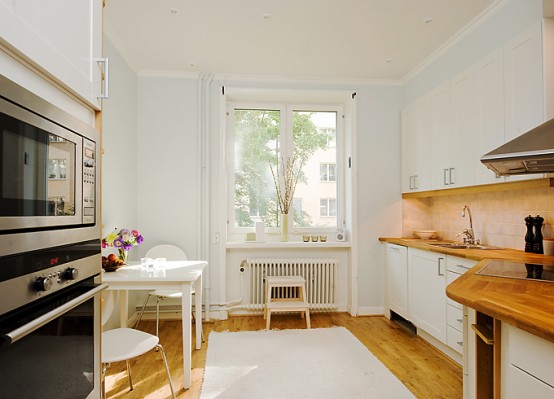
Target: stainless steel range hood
x=532 y=152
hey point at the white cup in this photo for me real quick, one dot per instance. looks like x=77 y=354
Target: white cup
x=548 y=246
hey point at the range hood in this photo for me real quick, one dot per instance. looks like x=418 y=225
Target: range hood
x=532 y=152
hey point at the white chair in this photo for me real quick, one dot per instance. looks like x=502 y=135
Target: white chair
x=124 y=344
x=169 y=252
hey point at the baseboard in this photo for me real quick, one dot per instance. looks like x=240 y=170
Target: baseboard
x=371 y=311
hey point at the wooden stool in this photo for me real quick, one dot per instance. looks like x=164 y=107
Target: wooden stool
x=298 y=304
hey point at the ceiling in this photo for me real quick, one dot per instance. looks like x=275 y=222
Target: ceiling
x=362 y=40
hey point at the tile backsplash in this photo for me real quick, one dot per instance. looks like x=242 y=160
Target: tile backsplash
x=498 y=217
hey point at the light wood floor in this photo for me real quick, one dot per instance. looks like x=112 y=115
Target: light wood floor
x=423 y=369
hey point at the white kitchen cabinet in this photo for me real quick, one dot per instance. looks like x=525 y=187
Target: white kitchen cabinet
x=441 y=132
x=396 y=264
x=426 y=292
x=455 y=267
x=527 y=369
x=416 y=147
x=461 y=171
x=62 y=39
x=489 y=112
x=524 y=83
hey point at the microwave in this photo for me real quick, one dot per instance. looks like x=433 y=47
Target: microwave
x=49 y=165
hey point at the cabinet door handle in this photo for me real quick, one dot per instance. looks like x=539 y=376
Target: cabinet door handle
x=105 y=77
x=439 y=271
x=452 y=173
x=445 y=177
x=411 y=182
x=461 y=343
x=416 y=182
x=459 y=320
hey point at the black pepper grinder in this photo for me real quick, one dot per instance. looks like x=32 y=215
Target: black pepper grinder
x=537 y=237
x=529 y=234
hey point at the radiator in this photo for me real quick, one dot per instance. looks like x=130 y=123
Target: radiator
x=320 y=276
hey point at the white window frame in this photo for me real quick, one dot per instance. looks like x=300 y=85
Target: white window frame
x=328 y=165
x=286 y=109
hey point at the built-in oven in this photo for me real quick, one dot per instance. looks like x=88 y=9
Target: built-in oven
x=50 y=253
x=48 y=169
x=50 y=323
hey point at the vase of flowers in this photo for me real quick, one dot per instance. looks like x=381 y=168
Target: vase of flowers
x=123 y=240
x=285 y=177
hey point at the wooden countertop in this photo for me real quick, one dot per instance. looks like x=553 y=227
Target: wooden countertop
x=526 y=304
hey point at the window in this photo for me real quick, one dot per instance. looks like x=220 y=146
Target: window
x=327 y=172
x=327 y=207
x=260 y=137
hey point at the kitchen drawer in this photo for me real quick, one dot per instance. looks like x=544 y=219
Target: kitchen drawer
x=455 y=318
x=455 y=339
x=518 y=384
x=531 y=354
x=459 y=265
x=450 y=277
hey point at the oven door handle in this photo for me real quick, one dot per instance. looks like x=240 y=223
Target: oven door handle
x=28 y=328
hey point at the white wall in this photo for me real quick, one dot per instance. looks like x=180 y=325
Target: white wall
x=119 y=162
x=119 y=143
x=167 y=163
x=379 y=207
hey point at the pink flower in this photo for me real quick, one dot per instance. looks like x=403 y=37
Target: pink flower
x=135 y=233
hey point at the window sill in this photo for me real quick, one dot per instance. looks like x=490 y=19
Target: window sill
x=286 y=245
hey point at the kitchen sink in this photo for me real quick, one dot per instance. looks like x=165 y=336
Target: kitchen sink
x=465 y=246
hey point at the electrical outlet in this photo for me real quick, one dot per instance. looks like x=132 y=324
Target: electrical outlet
x=217 y=238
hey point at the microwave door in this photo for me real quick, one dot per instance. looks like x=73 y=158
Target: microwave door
x=41 y=184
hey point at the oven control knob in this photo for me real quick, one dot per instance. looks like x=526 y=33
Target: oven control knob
x=71 y=273
x=43 y=283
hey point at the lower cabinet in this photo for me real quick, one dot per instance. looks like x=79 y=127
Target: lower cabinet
x=514 y=364
x=415 y=288
x=426 y=292
x=527 y=369
x=396 y=261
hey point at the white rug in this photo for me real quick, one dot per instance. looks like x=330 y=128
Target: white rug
x=318 y=363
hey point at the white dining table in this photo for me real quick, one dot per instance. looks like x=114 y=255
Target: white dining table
x=185 y=276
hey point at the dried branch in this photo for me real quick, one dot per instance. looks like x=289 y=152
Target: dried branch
x=286 y=176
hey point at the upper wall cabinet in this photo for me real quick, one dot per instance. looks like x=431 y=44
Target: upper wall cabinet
x=489 y=112
x=527 y=97
x=497 y=99
x=62 y=39
x=416 y=146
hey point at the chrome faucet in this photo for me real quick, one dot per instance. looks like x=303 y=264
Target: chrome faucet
x=469 y=235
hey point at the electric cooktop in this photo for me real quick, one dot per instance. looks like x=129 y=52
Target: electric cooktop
x=524 y=271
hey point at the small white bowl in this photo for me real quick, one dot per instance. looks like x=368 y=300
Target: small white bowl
x=425 y=234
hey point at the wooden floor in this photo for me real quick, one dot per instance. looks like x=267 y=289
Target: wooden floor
x=423 y=369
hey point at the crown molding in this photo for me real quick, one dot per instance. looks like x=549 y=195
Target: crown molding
x=458 y=37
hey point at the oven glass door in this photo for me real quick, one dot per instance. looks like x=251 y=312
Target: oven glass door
x=41 y=171
x=59 y=359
